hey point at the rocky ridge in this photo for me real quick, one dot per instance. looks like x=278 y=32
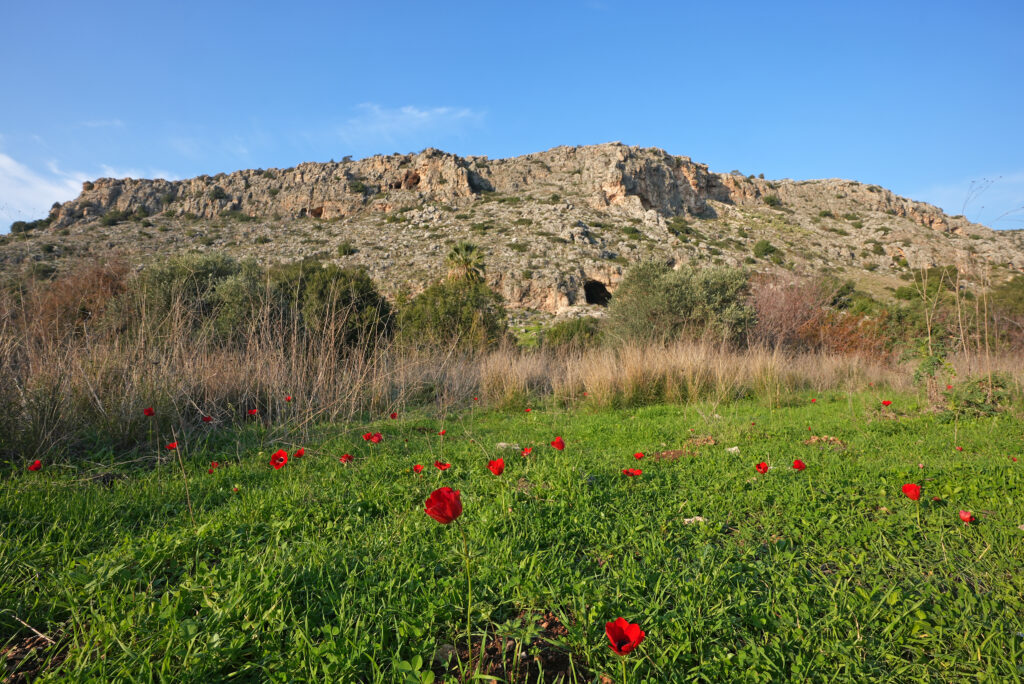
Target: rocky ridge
x=558 y=227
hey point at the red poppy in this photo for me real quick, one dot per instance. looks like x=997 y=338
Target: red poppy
x=443 y=433
x=814 y=401
x=476 y=398
x=584 y=394
x=761 y=467
x=367 y=436
x=444 y=505
x=207 y=419
x=213 y=466
x=949 y=387
x=417 y=469
x=346 y=458
x=442 y=466
x=172 y=446
x=528 y=450
x=528 y=410
x=36 y=465
x=959 y=448
x=886 y=403
x=912 y=491
x=1013 y=458
x=799 y=465
x=966 y=517
x=234 y=489
x=638 y=455
x=148 y=411
x=253 y=412
x=393 y=415
x=288 y=398
x=300 y=453
x=376 y=437
x=632 y=472
x=624 y=636
x=497 y=467
x=279 y=458
x=558 y=443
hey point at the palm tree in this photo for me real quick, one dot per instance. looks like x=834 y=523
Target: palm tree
x=465 y=260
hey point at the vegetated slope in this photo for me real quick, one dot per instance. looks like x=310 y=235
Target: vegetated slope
x=558 y=227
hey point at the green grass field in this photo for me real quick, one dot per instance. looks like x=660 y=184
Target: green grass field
x=323 y=571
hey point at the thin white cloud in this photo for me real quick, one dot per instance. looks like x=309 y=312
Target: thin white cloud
x=26 y=195
x=374 y=124
x=996 y=201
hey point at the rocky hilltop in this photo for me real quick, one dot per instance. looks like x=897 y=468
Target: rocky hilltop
x=558 y=227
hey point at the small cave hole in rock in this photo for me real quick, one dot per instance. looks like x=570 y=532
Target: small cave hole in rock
x=596 y=293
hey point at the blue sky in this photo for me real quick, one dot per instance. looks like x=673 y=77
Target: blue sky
x=924 y=98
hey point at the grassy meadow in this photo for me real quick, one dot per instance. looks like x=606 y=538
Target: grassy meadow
x=328 y=571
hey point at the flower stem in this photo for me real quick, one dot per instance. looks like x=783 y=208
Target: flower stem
x=469 y=597
x=622 y=660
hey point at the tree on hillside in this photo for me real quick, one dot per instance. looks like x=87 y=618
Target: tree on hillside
x=465 y=262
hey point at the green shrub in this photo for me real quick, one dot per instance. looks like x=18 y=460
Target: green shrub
x=113 y=217
x=357 y=186
x=656 y=303
x=346 y=248
x=573 y=334
x=772 y=200
x=461 y=311
x=217 y=193
x=825 y=213
x=763 y=248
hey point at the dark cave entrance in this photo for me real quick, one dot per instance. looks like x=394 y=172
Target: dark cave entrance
x=596 y=293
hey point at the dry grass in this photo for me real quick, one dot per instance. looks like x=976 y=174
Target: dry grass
x=71 y=391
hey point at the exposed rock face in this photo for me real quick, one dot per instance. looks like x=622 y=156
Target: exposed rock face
x=549 y=222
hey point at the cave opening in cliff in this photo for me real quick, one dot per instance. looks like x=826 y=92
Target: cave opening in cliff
x=596 y=293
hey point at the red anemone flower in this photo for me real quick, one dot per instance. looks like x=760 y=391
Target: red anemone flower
x=799 y=465
x=624 y=636
x=253 y=412
x=213 y=466
x=367 y=436
x=376 y=437
x=632 y=472
x=346 y=458
x=442 y=466
x=444 y=505
x=279 y=458
x=912 y=491
x=207 y=419
x=558 y=443
x=148 y=411
x=814 y=401
x=528 y=450
x=288 y=398
x=497 y=467
x=959 y=448
x=528 y=410
x=417 y=469
x=36 y=465
x=172 y=446
x=638 y=455
x=393 y=415
x=966 y=517
x=949 y=387
x=761 y=467
x=886 y=403
x=476 y=398
x=443 y=433
x=300 y=453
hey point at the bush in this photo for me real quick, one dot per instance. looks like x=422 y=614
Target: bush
x=113 y=217
x=218 y=193
x=26 y=226
x=763 y=248
x=655 y=303
x=574 y=334
x=772 y=200
x=461 y=311
x=346 y=249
